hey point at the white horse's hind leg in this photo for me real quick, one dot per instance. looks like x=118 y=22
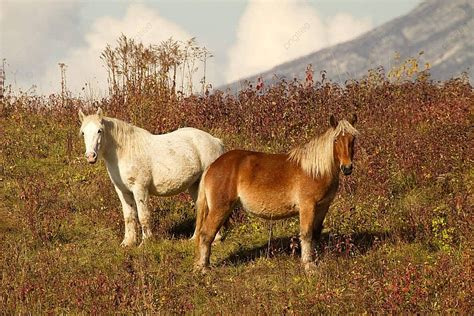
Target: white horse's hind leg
x=193 y=191
x=144 y=216
x=129 y=217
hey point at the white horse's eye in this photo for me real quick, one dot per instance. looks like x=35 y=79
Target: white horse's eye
x=82 y=133
x=99 y=131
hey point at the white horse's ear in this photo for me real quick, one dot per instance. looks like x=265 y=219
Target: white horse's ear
x=81 y=116
x=100 y=113
x=333 y=121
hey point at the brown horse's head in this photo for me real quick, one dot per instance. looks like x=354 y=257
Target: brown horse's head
x=344 y=143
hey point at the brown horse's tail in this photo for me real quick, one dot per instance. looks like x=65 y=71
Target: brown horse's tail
x=202 y=209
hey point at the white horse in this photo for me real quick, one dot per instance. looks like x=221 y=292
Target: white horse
x=140 y=163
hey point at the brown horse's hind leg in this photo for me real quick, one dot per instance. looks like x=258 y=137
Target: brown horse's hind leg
x=307 y=219
x=211 y=225
x=193 y=191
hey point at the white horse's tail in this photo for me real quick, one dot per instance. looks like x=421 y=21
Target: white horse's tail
x=221 y=143
x=202 y=209
x=221 y=147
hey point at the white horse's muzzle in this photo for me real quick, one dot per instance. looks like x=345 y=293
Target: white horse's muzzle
x=91 y=157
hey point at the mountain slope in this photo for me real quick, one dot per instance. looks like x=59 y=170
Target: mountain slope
x=441 y=29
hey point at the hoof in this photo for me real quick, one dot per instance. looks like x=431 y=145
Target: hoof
x=144 y=243
x=127 y=243
x=146 y=240
x=198 y=269
x=219 y=238
x=310 y=268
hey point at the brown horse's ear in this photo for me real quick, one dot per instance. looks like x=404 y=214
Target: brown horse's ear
x=353 y=119
x=100 y=113
x=81 y=116
x=333 y=121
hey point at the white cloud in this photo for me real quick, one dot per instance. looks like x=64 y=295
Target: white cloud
x=84 y=65
x=273 y=32
x=343 y=27
x=33 y=35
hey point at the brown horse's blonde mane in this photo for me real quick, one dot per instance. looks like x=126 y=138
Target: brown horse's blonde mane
x=316 y=157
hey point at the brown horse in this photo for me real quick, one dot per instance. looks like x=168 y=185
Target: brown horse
x=276 y=186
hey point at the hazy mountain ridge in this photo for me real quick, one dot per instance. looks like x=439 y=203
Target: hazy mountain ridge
x=441 y=29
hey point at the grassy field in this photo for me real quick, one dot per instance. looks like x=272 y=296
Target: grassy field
x=398 y=236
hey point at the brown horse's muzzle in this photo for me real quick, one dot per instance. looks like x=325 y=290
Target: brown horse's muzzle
x=346 y=169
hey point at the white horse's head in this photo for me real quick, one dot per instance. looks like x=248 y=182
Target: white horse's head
x=92 y=129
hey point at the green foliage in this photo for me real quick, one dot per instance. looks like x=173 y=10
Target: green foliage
x=442 y=233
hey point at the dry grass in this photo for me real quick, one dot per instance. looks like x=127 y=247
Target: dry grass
x=397 y=238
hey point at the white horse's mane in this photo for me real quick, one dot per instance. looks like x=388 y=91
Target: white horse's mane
x=126 y=137
x=316 y=157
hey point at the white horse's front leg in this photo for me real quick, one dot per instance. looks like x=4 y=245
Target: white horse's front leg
x=129 y=217
x=144 y=216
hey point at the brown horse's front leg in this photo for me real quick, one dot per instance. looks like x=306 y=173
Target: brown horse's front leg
x=317 y=233
x=307 y=218
x=320 y=213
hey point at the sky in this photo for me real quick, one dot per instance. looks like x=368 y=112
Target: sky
x=245 y=37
